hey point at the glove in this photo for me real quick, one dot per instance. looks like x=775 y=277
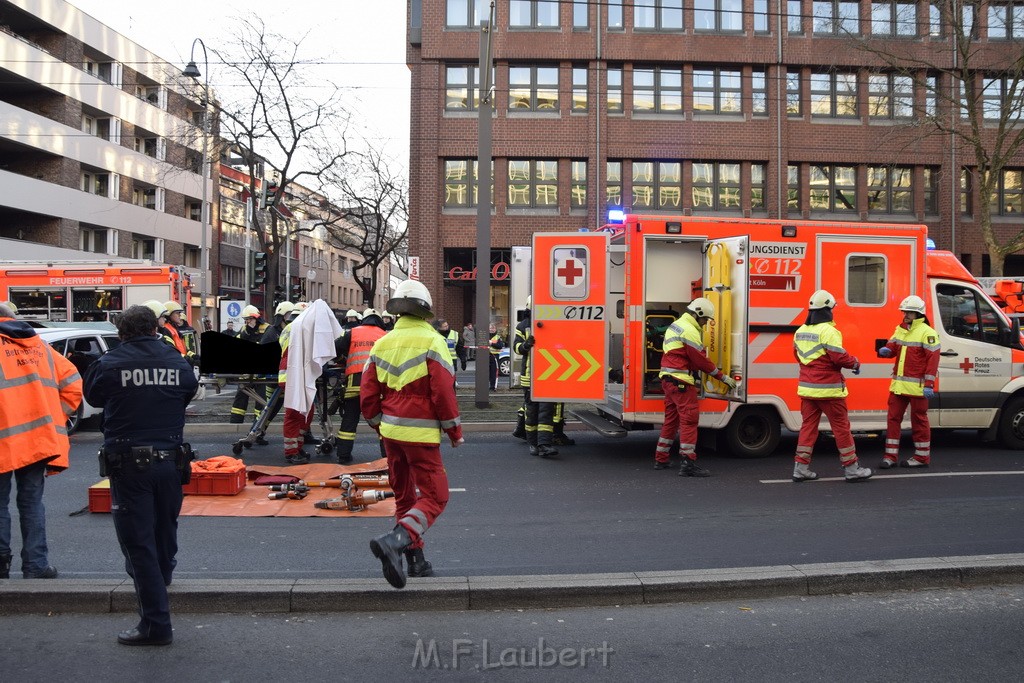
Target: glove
x=885 y=352
x=929 y=393
x=728 y=381
x=528 y=344
x=457 y=442
x=856 y=368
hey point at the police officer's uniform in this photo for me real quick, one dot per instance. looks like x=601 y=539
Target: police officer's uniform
x=144 y=385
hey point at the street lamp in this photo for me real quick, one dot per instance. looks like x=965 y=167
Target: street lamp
x=192 y=71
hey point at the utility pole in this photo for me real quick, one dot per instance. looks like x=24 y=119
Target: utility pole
x=483 y=212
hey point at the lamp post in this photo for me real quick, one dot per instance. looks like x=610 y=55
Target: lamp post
x=192 y=71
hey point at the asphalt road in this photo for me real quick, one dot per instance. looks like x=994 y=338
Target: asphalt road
x=938 y=635
x=599 y=507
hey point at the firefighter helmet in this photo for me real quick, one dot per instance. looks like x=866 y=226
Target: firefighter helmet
x=413 y=298
x=173 y=307
x=250 y=311
x=284 y=308
x=353 y=313
x=10 y=306
x=821 y=299
x=368 y=312
x=912 y=304
x=702 y=308
x=158 y=308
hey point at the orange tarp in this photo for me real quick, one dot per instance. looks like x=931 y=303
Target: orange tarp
x=252 y=501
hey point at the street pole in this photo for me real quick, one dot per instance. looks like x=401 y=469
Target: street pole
x=483 y=215
x=192 y=71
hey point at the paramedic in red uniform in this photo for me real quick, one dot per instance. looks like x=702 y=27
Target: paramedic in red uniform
x=915 y=346
x=683 y=356
x=818 y=347
x=407 y=394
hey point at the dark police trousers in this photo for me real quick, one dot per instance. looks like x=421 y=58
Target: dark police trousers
x=145 y=507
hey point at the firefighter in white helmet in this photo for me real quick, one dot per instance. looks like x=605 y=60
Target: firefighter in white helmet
x=915 y=346
x=352 y=318
x=682 y=357
x=818 y=347
x=407 y=394
x=253 y=329
x=179 y=333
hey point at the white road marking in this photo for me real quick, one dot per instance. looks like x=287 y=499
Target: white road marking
x=915 y=475
x=458 y=490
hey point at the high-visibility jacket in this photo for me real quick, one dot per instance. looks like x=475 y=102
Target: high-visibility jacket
x=683 y=351
x=916 y=350
x=283 y=340
x=819 y=349
x=254 y=333
x=452 y=340
x=39 y=389
x=408 y=385
x=523 y=333
x=354 y=345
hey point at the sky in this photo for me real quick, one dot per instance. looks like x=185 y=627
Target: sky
x=358 y=44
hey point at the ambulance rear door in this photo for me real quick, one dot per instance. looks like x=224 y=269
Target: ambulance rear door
x=569 y=317
x=727 y=285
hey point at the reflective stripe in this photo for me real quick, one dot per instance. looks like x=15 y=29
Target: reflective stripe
x=346 y=436
x=848 y=449
x=375 y=420
x=813 y=386
x=417 y=422
x=922 y=444
x=26 y=426
x=449 y=424
x=70 y=379
x=48 y=382
x=416 y=521
x=893 y=442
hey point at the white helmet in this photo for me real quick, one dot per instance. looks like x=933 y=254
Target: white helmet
x=411 y=297
x=353 y=313
x=913 y=304
x=250 y=311
x=702 y=308
x=368 y=312
x=821 y=299
x=284 y=308
x=158 y=308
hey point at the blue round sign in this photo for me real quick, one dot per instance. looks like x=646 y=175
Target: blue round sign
x=234 y=309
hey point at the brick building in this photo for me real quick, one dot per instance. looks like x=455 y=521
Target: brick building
x=756 y=108
x=100 y=146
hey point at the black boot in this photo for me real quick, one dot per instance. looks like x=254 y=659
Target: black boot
x=520 y=431
x=5 y=566
x=418 y=565
x=547 y=451
x=690 y=468
x=560 y=439
x=388 y=548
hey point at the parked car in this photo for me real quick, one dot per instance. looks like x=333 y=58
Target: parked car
x=504 y=362
x=82 y=347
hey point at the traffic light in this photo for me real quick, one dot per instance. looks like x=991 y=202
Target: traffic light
x=268 y=195
x=259 y=268
x=298 y=291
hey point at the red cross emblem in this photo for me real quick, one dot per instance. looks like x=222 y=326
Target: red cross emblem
x=569 y=272
x=967 y=365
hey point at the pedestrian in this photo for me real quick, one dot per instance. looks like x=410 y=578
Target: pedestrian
x=144 y=386
x=682 y=357
x=818 y=347
x=353 y=350
x=230 y=329
x=915 y=346
x=469 y=339
x=495 y=343
x=540 y=428
x=39 y=389
x=408 y=396
x=252 y=330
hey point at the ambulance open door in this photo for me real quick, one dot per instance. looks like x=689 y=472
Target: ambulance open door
x=726 y=284
x=569 y=316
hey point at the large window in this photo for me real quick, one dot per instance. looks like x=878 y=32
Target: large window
x=533 y=13
x=1006 y=21
x=533 y=88
x=997 y=98
x=613 y=184
x=931 y=190
x=579 y=88
x=717 y=91
x=97 y=241
x=462 y=88
x=460 y=183
x=578 y=186
x=758 y=92
x=657 y=185
x=96 y=183
x=1005 y=199
x=718 y=15
x=532 y=183
x=760 y=16
x=962 y=308
x=615 y=22
x=893 y=18
x=833 y=189
x=580 y=14
x=793 y=102
x=614 y=90
x=834 y=94
x=716 y=186
x=836 y=18
x=794 y=17
x=658 y=90
x=758 y=181
x=466 y=12
x=890 y=96
x=890 y=189
x=865 y=279
x=660 y=15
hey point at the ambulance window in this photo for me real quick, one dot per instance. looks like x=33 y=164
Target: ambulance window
x=865 y=280
x=571 y=280
x=966 y=314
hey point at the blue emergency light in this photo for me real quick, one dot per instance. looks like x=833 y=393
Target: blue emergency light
x=929 y=243
x=616 y=216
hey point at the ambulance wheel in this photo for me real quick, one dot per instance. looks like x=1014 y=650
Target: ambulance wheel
x=1011 y=424
x=752 y=433
x=236 y=449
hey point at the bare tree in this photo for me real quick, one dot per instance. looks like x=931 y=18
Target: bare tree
x=974 y=99
x=294 y=129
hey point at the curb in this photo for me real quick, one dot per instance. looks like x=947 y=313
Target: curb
x=201 y=596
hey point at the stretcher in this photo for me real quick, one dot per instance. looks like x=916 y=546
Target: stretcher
x=718 y=332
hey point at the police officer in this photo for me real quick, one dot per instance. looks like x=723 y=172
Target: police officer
x=144 y=386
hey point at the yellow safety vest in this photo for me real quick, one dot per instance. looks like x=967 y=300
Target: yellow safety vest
x=683 y=332
x=920 y=335
x=452 y=339
x=823 y=380
x=283 y=340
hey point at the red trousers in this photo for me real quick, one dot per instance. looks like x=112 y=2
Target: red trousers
x=838 y=418
x=920 y=427
x=681 y=415
x=295 y=425
x=412 y=466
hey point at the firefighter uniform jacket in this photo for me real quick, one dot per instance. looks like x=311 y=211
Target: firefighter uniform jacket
x=354 y=346
x=819 y=349
x=255 y=333
x=916 y=350
x=39 y=389
x=683 y=352
x=408 y=385
x=143 y=386
x=523 y=333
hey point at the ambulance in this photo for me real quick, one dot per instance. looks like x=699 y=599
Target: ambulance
x=81 y=291
x=602 y=300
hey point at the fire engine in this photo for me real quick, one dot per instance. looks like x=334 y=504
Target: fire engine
x=81 y=291
x=602 y=300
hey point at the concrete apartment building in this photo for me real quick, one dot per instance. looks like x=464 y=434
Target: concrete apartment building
x=756 y=108
x=100 y=149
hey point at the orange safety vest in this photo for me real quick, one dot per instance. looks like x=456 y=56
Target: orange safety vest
x=362 y=340
x=39 y=389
